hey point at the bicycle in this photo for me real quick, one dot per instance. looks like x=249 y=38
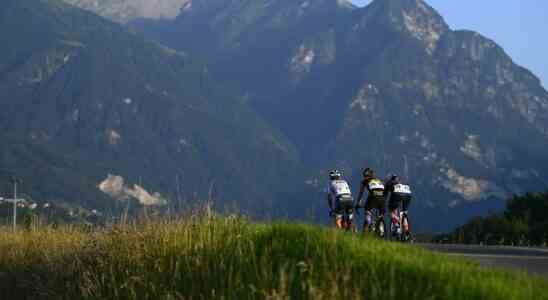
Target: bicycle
x=377 y=226
x=399 y=203
x=401 y=230
x=406 y=235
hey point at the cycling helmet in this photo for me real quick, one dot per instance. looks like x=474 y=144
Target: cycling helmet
x=368 y=172
x=392 y=177
x=335 y=174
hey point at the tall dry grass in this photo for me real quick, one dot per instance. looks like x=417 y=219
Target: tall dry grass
x=231 y=258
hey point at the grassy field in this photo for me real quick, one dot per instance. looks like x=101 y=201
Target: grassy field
x=230 y=258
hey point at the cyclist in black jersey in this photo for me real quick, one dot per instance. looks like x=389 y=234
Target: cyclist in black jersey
x=399 y=195
x=375 y=198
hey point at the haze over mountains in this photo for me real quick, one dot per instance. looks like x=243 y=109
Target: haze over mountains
x=264 y=90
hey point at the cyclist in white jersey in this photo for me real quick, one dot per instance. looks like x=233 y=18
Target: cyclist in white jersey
x=339 y=197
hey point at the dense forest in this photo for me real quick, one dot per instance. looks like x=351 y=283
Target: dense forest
x=524 y=222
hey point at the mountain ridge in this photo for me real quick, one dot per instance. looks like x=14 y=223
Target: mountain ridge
x=90 y=100
x=388 y=85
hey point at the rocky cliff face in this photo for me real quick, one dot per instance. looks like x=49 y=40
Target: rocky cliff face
x=124 y=11
x=389 y=85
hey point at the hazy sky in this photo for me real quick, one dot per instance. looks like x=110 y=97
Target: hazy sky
x=519 y=26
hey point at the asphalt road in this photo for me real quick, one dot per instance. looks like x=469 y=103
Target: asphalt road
x=531 y=260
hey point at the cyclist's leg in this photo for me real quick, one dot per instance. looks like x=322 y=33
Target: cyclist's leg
x=393 y=206
x=394 y=219
x=338 y=214
x=339 y=221
x=404 y=214
x=368 y=222
x=338 y=217
x=381 y=207
x=348 y=211
x=346 y=207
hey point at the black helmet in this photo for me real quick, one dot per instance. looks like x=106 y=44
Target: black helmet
x=392 y=177
x=335 y=174
x=368 y=172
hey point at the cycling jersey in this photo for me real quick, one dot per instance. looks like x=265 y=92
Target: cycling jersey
x=339 y=191
x=394 y=185
x=375 y=187
x=400 y=194
x=375 y=199
x=337 y=188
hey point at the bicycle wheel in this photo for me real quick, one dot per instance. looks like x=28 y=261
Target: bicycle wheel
x=395 y=232
x=380 y=227
x=350 y=223
x=406 y=233
x=368 y=227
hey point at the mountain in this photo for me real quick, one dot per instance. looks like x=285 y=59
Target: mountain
x=389 y=85
x=124 y=11
x=92 y=114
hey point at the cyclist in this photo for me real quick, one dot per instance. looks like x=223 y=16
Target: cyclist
x=398 y=194
x=375 y=198
x=339 y=198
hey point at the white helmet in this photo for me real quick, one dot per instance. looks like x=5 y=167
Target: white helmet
x=335 y=174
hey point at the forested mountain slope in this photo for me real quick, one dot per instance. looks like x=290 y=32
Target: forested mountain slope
x=83 y=98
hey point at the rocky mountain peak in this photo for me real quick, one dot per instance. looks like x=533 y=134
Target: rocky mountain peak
x=267 y=5
x=403 y=6
x=414 y=17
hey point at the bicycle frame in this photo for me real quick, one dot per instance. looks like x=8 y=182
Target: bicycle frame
x=405 y=227
x=377 y=225
x=404 y=233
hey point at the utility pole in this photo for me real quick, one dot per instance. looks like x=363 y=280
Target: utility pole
x=14 y=204
x=15 y=181
x=15 y=200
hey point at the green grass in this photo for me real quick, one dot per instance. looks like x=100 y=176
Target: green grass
x=230 y=258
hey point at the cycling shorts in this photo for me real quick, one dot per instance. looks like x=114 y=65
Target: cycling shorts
x=375 y=202
x=343 y=204
x=397 y=199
